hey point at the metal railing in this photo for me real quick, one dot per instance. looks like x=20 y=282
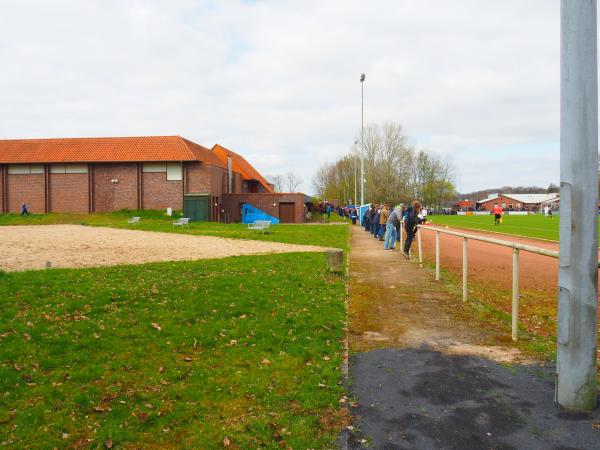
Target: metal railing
x=516 y=247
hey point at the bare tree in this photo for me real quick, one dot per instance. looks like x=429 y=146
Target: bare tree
x=276 y=181
x=394 y=171
x=293 y=181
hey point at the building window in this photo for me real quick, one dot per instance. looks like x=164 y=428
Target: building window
x=155 y=167
x=174 y=172
x=25 y=169
x=69 y=168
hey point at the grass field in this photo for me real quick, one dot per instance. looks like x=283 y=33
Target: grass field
x=533 y=225
x=243 y=352
x=324 y=235
x=173 y=355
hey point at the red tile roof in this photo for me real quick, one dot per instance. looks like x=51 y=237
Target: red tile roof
x=108 y=149
x=203 y=154
x=240 y=165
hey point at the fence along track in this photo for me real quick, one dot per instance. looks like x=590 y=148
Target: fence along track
x=517 y=248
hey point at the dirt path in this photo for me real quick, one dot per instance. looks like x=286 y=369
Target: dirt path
x=426 y=374
x=29 y=247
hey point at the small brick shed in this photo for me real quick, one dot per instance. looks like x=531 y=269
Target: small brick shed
x=85 y=175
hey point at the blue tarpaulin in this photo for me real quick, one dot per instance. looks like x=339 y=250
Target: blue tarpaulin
x=362 y=211
x=250 y=214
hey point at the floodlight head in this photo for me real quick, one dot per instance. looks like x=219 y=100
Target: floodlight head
x=362 y=78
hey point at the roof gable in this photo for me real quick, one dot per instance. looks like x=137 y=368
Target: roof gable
x=240 y=165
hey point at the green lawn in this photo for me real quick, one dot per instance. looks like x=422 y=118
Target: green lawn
x=174 y=355
x=533 y=225
x=325 y=235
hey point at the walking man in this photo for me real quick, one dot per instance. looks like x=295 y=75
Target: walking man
x=24 y=210
x=497 y=211
x=411 y=220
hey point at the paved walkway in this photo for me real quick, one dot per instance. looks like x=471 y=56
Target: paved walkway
x=426 y=373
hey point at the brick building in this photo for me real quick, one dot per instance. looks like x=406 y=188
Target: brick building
x=85 y=175
x=518 y=202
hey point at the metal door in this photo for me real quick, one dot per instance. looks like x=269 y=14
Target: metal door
x=287 y=212
x=197 y=207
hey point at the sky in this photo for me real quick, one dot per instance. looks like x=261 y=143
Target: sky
x=279 y=80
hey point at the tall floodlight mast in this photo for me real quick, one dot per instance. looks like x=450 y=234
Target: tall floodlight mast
x=362 y=140
x=577 y=337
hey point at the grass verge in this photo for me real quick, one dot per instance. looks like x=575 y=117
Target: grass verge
x=244 y=351
x=533 y=225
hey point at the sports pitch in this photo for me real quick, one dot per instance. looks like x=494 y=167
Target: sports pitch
x=534 y=226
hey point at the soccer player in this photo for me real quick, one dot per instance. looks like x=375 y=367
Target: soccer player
x=497 y=211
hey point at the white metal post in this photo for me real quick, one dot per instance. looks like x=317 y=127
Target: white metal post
x=465 y=264
x=577 y=335
x=420 y=249
x=515 y=294
x=437 y=256
x=362 y=140
x=355 y=177
x=401 y=236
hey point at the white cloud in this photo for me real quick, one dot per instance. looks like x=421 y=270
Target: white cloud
x=278 y=80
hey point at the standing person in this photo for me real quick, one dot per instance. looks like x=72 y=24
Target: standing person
x=549 y=212
x=393 y=221
x=411 y=220
x=367 y=218
x=402 y=208
x=24 y=210
x=383 y=217
x=375 y=224
x=497 y=211
x=353 y=215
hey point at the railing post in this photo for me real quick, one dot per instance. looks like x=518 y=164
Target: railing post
x=515 y=294
x=437 y=256
x=401 y=232
x=420 y=249
x=465 y=264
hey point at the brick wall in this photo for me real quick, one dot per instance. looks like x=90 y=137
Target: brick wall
x=198 y=178
x=28 y=189
x=115 y=196
x=218 y=181
x=2 y=199
x=488 y=206
x=265 y=202
x=69 y=192
x=158 y=193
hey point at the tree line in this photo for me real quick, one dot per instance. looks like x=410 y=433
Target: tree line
x=394 y=171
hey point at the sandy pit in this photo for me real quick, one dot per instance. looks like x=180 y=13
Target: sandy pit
x=30 y=247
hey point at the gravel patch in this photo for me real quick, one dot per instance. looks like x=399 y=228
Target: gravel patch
x=30 y=247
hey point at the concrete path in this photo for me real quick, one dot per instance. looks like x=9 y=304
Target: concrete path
x=427 y=373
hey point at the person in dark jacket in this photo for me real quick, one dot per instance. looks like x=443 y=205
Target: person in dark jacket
x=411 y=220
x=367 y=218
x=375 y=224
x=24 y=210
x=372 y=218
